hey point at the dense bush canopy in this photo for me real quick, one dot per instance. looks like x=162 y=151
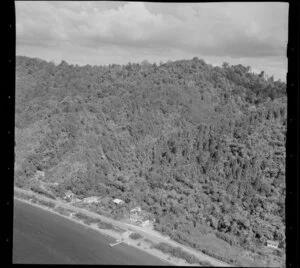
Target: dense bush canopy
x=201 y=148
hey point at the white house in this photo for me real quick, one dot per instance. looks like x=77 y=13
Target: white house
x=91 y=199
x=118 y=201
x=135 y=217
x=272 y=244
x=136 y=210
x=68 y=194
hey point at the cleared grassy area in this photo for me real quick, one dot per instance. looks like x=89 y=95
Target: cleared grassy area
x=179 y=253
x=213 y=246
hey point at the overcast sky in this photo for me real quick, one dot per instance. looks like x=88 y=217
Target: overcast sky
x=96 y=33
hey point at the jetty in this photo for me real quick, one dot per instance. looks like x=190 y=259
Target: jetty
x=117 y=243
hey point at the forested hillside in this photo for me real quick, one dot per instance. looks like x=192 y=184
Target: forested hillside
x=201 y=148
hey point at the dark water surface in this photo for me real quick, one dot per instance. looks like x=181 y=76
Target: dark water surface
x=42 y=237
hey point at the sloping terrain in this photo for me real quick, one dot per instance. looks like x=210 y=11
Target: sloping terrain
x=201 y=148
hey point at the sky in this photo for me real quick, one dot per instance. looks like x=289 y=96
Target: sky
x=98 y=33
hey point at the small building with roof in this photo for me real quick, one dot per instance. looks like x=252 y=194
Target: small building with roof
x=272 y=244
x=118 y=201
x=69 y=194
x=136 y=210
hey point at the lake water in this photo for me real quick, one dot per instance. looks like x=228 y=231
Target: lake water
x=42 y=237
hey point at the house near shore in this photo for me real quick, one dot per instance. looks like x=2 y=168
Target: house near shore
x=91 y=199
x=136 y=210
x=272 y=244
x=136 y=217
x=139 y=220
x=69 y=195
x=118 y=201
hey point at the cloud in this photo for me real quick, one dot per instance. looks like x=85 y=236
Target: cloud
x=236 y=30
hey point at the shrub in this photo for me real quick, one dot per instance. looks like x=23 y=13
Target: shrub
x=46 y=203
x=148 y=241
x=205 y=263
x=91 y=220
x=101 y=225
x=135 y=236
x=81 y=216
x=86 y=219
x=119 y=230
x=105 y=225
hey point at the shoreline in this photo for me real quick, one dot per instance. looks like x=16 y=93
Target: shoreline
x=149 y=236
x=144 y=246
